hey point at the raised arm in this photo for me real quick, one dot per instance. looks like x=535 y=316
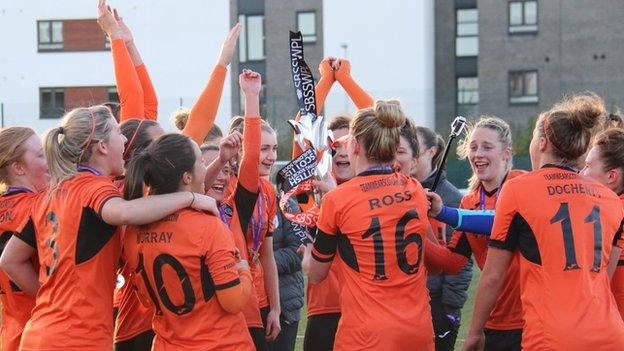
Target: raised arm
x=204 y=111
x=150 y=101
x=126 y=78
x=249 y=174
x=360 y=98
x=321 y=90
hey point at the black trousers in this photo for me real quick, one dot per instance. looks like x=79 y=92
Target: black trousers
x=321 y=332
x=141 y=342
x=444 y=328
x=503 y=340
x=287 y=337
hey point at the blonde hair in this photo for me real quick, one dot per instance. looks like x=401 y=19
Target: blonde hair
x=11 y=141
x=570 y=125
x=237 y=123
x=377 y=128
x=180 y=117
x=504 y=137
x=71 y=143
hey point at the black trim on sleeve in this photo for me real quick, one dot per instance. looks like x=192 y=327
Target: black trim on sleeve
x=620 y=263
x=27 y=234
x=463 y=246
x=321 y=259
x=245 y=202
x=269 y=234
x=230 y=284
x=325 y=244
x=93 y=235
x=99 y=210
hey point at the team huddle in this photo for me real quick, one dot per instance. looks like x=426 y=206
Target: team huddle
x=118 y=235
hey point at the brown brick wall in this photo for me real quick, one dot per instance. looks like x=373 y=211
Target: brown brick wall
x=85 y=96
x=82 y=35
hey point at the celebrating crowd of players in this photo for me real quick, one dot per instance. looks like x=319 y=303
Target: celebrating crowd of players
x=118 y=235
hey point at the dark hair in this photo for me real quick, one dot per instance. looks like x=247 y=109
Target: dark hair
x=613 y=120
x=137 y=136
x=570 y=125
x=611 y=147
x=160 y=166
x=208 y=147
x=215 y=132
x=408 y=131
x=115 y=109
x=431 y=139
x=339 y=122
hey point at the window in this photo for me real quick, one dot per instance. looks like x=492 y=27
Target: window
x=467 y=39
x=112 y=94
x=523 y=87
x=251 y=40
x=50 y=35
x=51 y=102
x=467 y=91
x=306 y=23
x=523 y=16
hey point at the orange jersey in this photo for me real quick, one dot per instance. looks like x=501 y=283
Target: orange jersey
x=507 y=313
x=133 y=317
x=181 y=262
x=377 y=221
x=561 y=227
x=269 y=212
x=617 y=282
x=324 y=297
x=17 y=306
x=78 y=253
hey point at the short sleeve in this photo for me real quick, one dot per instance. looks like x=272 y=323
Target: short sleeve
x=221 y=255
x=326 y=239
x=100 y=191
x=26 y=233
x=506 y=227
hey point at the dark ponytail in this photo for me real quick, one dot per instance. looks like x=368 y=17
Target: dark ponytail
x=160 y=166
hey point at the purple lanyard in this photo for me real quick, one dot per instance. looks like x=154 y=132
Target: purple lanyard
x=384 y=168
x=222 y=215
x=17 y=189
x=256 y=226
x=84 y=168
x=482 y=197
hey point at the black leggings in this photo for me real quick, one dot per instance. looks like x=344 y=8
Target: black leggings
x=321 y=332
x=141 y=342
x=503 y=340
x=258 y=335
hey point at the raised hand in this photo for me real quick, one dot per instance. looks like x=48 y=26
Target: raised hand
x=126 y=33
x=107 y=21
x=250 y=82
x=230 y=146
x=342 y=67
x=326 y=67
x=229 y=45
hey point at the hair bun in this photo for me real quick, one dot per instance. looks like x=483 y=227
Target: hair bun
x=586 y=110
x=389 y=113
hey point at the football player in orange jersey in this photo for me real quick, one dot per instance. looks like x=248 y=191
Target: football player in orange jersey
x=78 y=273
x=560 y=227
x=23 y=173
x=605 y=164
x=198 y=300
x=377 y=221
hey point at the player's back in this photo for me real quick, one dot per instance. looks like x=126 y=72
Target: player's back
x=380 y=221
x=15 y=207
x=182 y=261
x=564 y=227
x=78 y=253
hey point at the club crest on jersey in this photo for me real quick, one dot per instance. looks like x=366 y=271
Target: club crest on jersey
x=228 y=210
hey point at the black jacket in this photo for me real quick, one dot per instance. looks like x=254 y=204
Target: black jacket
x=452 y=289
x=291 y=287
